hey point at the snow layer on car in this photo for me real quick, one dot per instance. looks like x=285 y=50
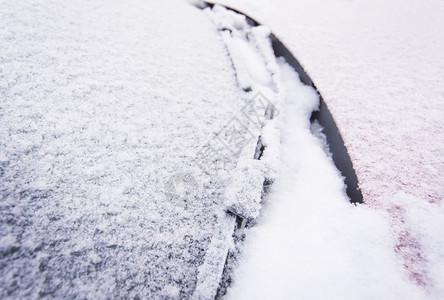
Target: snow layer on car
x=104 y=106
x=255 y=69
x=379 y=66
x=310 y=242
x=307 y=234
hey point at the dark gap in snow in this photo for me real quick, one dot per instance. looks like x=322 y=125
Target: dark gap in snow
x=226 y=29
x=259 y=149
x=339 y=152
x=241 y=221
x=201 y=4
x=337 y=147
x=267 y=185
x=269 y=113
x=231 y=263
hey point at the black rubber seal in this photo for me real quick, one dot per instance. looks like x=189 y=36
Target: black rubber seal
x=336 y=144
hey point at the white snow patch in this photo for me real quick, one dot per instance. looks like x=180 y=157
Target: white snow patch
x=310 y=242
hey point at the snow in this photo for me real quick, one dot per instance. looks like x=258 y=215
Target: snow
x=127 y=130
x=249 y=49
x=102 y=106
x=379 y=67
x=310 y=242
x=306 y=211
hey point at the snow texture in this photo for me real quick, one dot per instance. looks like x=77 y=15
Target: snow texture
x=250 y=51
x=379 y=66
x=310 y=242
x=103 y=109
